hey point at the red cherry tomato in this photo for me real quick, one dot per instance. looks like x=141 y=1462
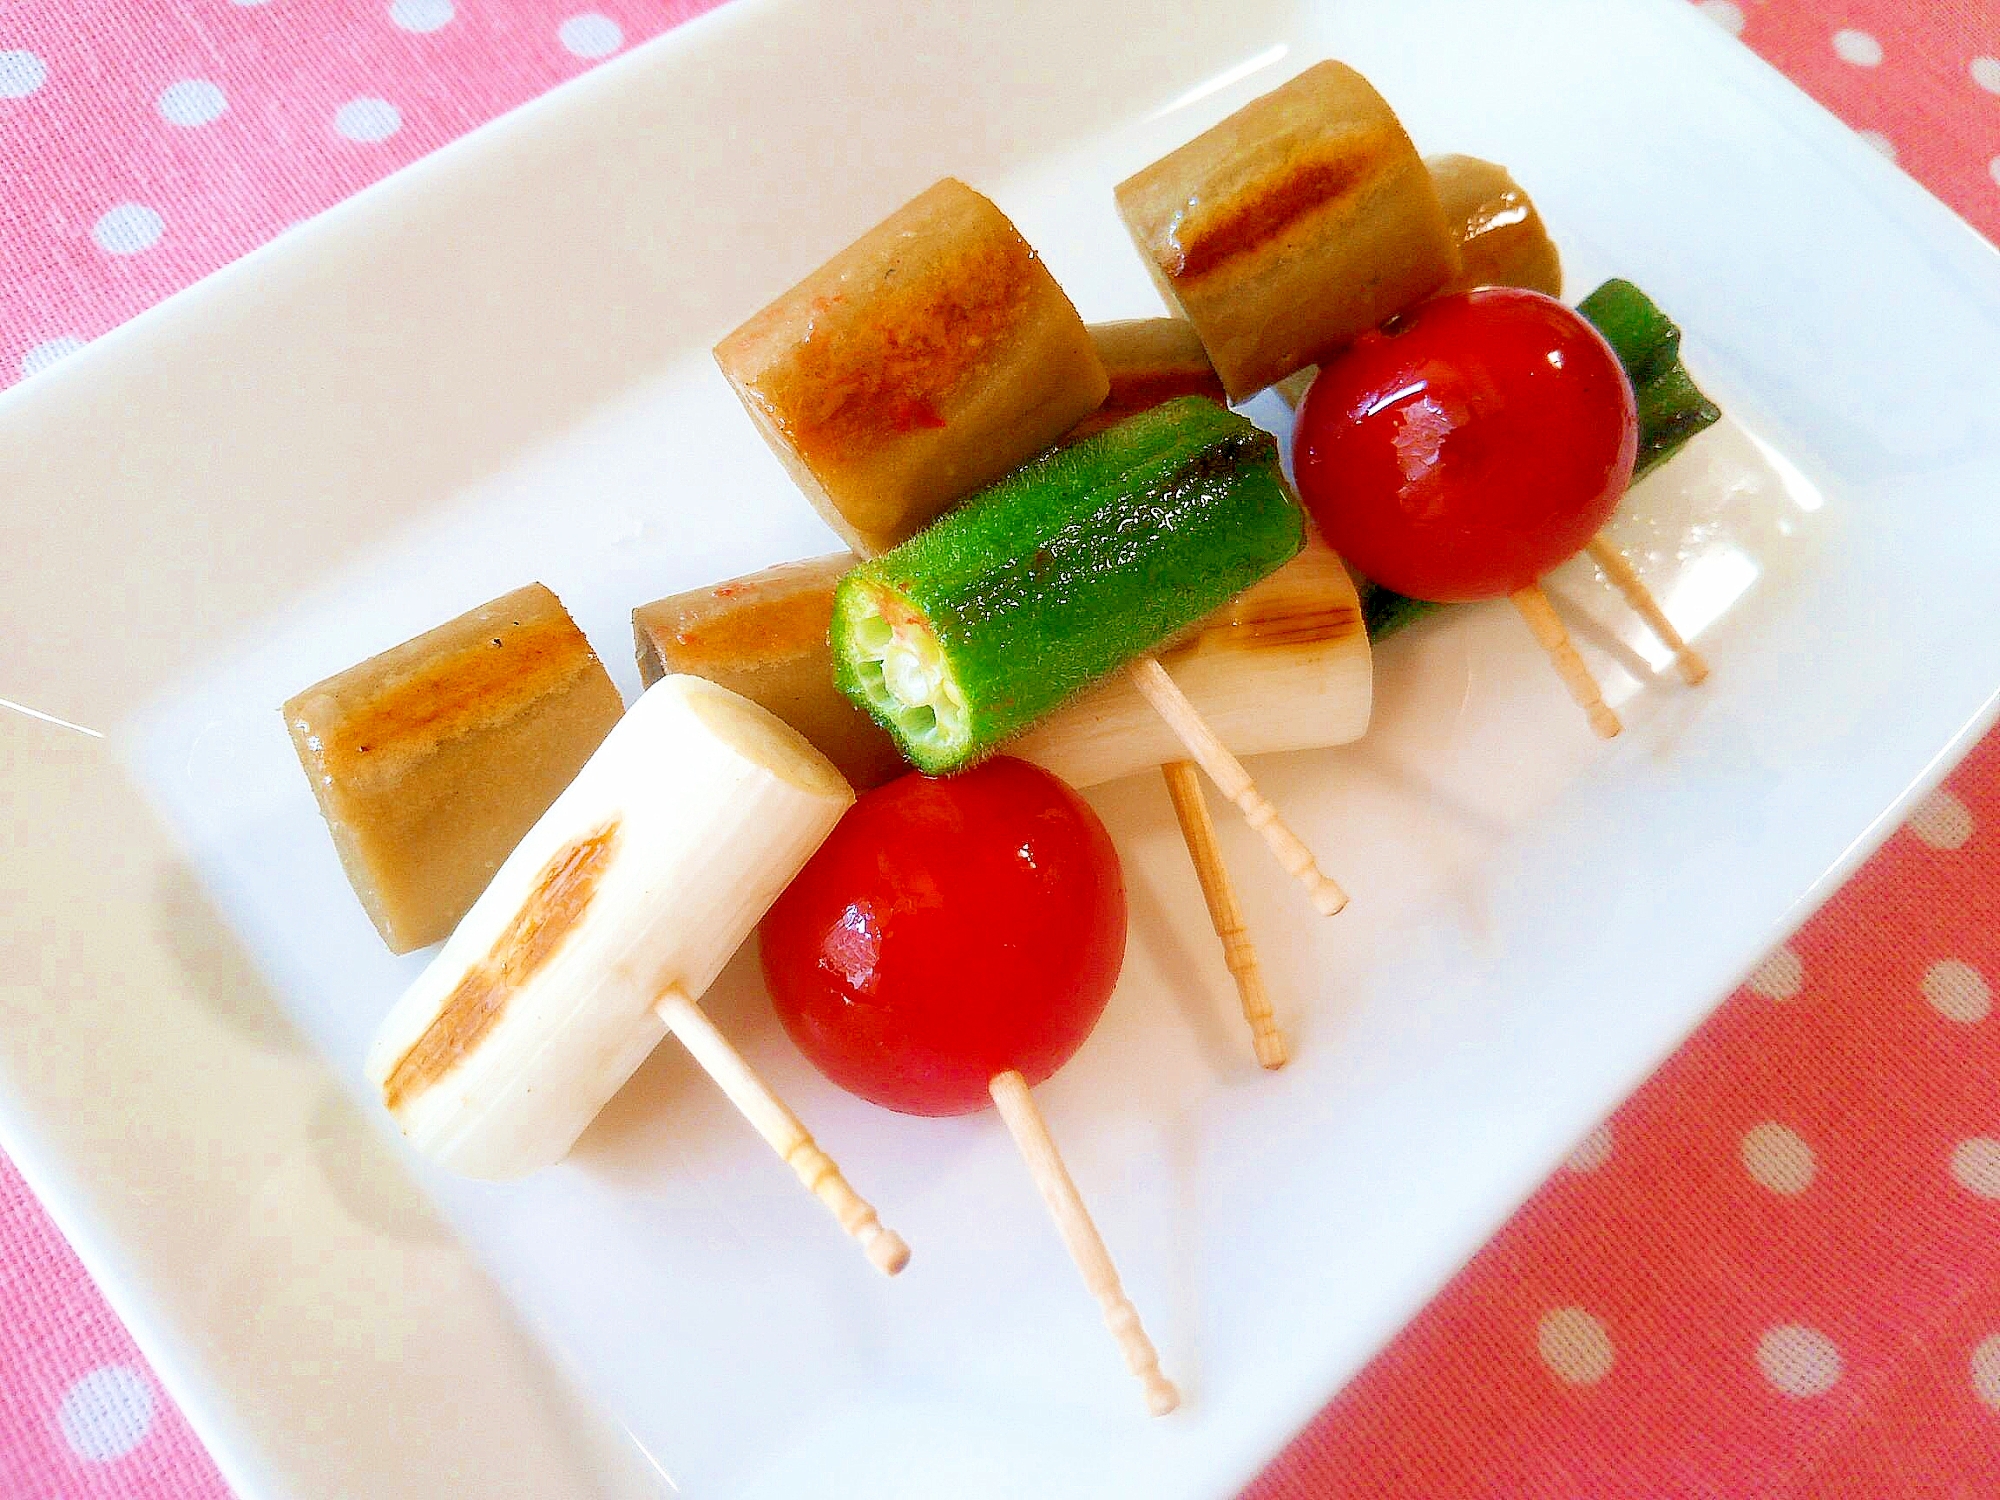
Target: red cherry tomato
x=949 y=929
x=1468 y=446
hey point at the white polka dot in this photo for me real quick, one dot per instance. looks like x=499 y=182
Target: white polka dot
x=368 y=120
x=1777 y=1157
x=247 y=4
x=1857 y=47
x=48 y=352
x=591 y=35
x=1593 y=1151
x=192 y=101
x=1799 y=1361
x=421 y=15
x=128 y=229
x=1976 y=1165
x=1986 y=1371
x=1725 y=14
x=1575 y=1345
x=1985 y=72
x=1993 y=169
x=1880 y=143
x=1957 y=991
x=21 y=73
x=1781 y=976
x=106 y=1414
x=1942 y=821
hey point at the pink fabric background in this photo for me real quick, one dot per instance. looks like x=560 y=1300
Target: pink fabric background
x=1774 y=1272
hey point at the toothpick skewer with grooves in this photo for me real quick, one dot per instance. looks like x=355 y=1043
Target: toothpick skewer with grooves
x=1625 y=578
x=1225 y=913
x=1227 y=772
x=1016 y=1104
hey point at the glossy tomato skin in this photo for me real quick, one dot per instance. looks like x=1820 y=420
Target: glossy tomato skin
x=1468 y=446
x=949 y=929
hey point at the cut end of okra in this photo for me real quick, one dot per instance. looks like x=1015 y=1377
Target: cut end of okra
x=905 y=678
x=1058 y=575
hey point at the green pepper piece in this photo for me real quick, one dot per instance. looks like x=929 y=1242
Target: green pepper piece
x=1672 y=409
x=1384 y=611
x=1646 y=341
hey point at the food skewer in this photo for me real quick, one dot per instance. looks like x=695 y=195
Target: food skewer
x=1024 y=1121
x=1227 y=772
x=773 y=1119
x=1073 y=566
x=1283 y=666
x=951 y=945
x=1625 y=578
x=1547 y=627
x=1466 y=448
x=614 y=913
x=1225 y=912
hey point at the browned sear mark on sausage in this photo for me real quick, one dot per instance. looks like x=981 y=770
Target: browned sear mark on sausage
x=1250 y=218
x=459 y=691
x=755 y=631
x=898 y=366
x=559 y=899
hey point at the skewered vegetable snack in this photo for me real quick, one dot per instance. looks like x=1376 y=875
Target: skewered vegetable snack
x=1058 y=575
x=431 y=760
x=1671 y=410
x=1291 y=228
x=1469 y=446
x=952 y=944
x=920 y=952
x=1283 y=666
x=953 y=941
x=645 y=874
x=764 y=636
x=921 y=363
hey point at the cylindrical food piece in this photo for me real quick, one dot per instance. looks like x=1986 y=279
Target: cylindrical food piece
x=1283 y=666
x=1148 y=361
x=764 y=636
x=1058 y=575
x=921 y=363
x=431 y=760
x=1501 y=239
x=1294 y=226
x=648 y=871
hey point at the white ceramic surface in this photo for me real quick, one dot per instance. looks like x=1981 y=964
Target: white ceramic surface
x=493 y=368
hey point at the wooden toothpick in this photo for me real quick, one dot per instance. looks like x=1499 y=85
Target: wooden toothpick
x=779 y=1126
x=1628 y=582
x=1541 y=617
x=1086 y=1246
x=1225 y=913
x=1227 y=772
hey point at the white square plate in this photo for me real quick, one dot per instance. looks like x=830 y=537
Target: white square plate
x=493 y=368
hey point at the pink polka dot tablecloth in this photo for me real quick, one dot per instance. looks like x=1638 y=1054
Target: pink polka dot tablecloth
x=1775 y=1272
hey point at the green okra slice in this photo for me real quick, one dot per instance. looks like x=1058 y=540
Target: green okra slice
x=1059 y=574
